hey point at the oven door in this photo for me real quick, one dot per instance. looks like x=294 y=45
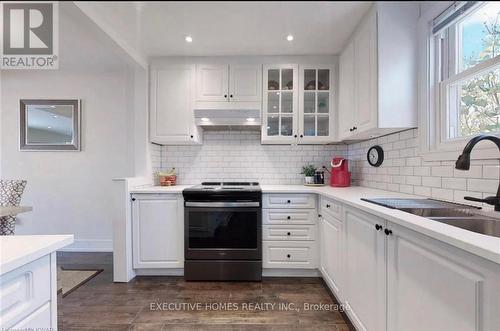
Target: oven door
x=222 y=231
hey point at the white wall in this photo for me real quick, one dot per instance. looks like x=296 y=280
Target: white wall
x=70 y=191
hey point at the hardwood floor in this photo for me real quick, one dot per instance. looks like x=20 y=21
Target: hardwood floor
x=161 y=303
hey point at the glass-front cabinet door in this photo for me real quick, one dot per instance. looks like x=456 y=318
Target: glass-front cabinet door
x=280 y=104
x=316 y=104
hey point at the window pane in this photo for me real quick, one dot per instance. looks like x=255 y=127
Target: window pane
x=480 y=35
x=309 y=100
x=273 y=125
x=309 y=79
x=323 y=125
x=273 y=79
x=273 y=101
x=309 y=125
x=474 y=106
x=323 y=98
x=323 y=79
x=286 y=126
x=287 y=102
x=287 y=79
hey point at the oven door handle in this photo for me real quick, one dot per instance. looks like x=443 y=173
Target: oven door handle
x=223 y=204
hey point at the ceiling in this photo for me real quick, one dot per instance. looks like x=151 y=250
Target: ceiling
x=228 y=28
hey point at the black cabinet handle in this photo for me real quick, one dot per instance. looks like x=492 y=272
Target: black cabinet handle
x=295 y=136
x=288 y=255
x=355 y=128
x=231 y=96
x=350 y=130
x=288 y=233
x=192 y=136
x=225 y=95
x=327 y=206
x=388 y=232
x=133 y=199
x=319 y=215
x=378 y=227
x=288 y=201
x=301 y=136
x=288 y=217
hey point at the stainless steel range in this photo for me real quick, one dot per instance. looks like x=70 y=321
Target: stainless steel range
x=223 y=236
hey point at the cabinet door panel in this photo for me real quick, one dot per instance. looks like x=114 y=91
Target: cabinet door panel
x=432 y=288
x=212 y=82
x=332 y=252
x=365 y=69
x=366 y=274
x=346 y=92
x=245 y=83
x=158 y=232
x=174 y=115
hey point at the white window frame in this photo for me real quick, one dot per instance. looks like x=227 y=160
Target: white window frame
x=434 y=142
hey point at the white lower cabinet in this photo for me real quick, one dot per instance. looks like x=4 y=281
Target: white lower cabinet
x=365 y=285
x=289 y=231
x=393 y=278
x=158 y=231
x=432 y=286
x=331 y=252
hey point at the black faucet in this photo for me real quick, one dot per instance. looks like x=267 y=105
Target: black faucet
x=463 y=163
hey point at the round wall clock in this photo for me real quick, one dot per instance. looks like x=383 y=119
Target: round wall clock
x=375 y=156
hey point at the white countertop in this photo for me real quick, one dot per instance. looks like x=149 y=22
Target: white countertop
x=13 y=210
x=487 y=247
x=176 y=189
x=16 y=251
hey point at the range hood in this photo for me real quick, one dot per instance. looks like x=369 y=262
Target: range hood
x=227 y=117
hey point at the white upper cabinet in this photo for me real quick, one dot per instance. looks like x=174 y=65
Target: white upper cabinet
x=212 y=82
x=378 y=73
x=233 y=86
x=316 y=104
x=245 y=83
x=280 y=104
x=171 y=106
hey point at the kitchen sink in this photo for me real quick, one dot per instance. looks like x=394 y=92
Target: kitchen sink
x=454 y=214
x=478 y=224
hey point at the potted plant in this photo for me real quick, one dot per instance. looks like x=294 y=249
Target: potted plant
x=308 y=171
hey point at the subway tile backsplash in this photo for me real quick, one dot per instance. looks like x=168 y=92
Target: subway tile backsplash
x=404 y=171
x=238 y=155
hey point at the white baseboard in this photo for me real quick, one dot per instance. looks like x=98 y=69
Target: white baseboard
x=276 y=272
x=160 y=272
x=90 y=245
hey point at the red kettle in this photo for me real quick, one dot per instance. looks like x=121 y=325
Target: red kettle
x=340 y=174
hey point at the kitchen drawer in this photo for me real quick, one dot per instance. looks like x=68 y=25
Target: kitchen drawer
x=291 y=216
x=289 y=254
x=289 y=232
x=23 y=290
x=330 y=207
x=305 y=201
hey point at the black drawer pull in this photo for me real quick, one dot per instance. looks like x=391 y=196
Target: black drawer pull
x=133 y=199
x=327 y=206
x=288 y=201
x=288 y=233
x=378 y=227
x=288 y=217
x=388 y=232
x=288 y=256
